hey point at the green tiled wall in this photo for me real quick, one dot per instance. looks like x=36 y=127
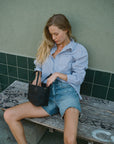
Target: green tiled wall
x=13 y=68
x=97 y=83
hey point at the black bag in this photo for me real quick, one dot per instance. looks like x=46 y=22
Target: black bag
x=38 y=95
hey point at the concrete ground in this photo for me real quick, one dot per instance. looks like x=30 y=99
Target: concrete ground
x=5 y=134
x=48 y=138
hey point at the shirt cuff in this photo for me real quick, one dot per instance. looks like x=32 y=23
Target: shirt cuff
x=69 y=79
x=37 y=69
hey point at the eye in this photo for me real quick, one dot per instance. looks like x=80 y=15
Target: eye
x=56 y=34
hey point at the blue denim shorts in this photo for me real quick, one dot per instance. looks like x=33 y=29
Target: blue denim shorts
x=62 y=96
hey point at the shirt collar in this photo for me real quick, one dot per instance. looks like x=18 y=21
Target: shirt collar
x=67 y=47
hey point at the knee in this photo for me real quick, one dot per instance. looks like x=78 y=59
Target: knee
x=70 y=140
x=8 y=115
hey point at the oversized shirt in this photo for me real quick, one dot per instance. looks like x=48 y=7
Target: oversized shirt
x=72 y=61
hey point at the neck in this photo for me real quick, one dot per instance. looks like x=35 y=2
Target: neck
x=63 y=44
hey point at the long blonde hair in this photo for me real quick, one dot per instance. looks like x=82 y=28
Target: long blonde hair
x=47 y=43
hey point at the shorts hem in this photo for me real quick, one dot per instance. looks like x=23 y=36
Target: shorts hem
x=50 y=113
x=47 y=111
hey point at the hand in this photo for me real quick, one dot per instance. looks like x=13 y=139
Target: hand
x=34 y=82
x=39 y=82
x=39 y=79
x=51 y=79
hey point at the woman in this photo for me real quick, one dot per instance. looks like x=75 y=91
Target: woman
x=67 y=61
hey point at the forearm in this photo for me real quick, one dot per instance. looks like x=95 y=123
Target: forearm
x=61 y=76
x=39 y=79
x=40 y=73
x=54 y=76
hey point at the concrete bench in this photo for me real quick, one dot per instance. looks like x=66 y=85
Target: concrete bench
x=96 y=121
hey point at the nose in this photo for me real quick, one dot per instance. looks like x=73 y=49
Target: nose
x=53 y=37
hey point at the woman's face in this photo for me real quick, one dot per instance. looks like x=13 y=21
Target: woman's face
x=59 y=36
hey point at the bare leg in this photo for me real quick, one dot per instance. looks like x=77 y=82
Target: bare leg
x=13 y=116
x=70 y=125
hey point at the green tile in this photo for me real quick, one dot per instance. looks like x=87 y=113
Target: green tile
x=86 y=89
x=110 y=94
x=11 y=80
x=89 y=75
x=3 y=58
x=4 y=79
x=0 y=87
x=3 y=69
x=102 y=78
x=112 y=81
x=31 y=63
x=22 y=62
x=12 y=71
x=31 y=76
x=3 y=86
x=22 y=74
x=11 y=60
x=99 y=91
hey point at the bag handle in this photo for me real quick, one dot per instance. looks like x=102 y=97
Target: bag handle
x=43 y=80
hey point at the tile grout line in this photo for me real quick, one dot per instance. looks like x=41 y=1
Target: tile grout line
x=92 y=83
x=16 y=78
x=7 y=68
x=17 y=67
x=108 y=86
x=27 y=69
x=97 y=84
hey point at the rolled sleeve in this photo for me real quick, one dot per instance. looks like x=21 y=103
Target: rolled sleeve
x=38 y=66
x=79 y=66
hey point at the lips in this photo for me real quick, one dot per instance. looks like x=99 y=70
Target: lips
x=56 y=41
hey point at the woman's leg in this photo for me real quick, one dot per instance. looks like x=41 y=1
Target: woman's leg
x=70 y=126
x=13 y=116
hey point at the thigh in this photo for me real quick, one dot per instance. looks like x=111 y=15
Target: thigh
x=67 y=98
x=71 y=122
x=26 y=110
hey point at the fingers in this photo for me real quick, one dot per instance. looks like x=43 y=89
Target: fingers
x=49 y=82
x=34 y=83
x=51 y=79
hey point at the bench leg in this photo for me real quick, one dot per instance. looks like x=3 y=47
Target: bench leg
x=51 y=130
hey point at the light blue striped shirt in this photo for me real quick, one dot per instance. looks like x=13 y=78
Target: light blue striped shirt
x=72 y=61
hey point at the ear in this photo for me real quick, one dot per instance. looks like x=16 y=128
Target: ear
x=66 y=31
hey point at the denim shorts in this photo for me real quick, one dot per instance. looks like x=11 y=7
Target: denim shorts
x=62 y=96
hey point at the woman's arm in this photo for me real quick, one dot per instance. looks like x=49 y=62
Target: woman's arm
x=39 y=79
x=54 y=76
x=79 y=66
